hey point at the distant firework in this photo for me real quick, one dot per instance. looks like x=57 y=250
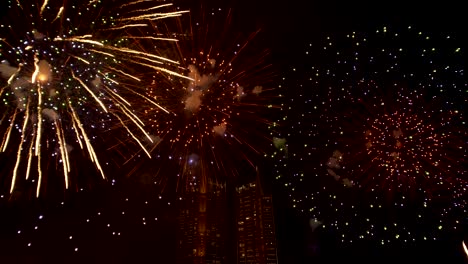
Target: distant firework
x=68 y=69
x=217 y=121
x=373 y=141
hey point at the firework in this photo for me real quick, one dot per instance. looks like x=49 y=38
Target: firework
x=382 y=137
x=67 y=70
x=215 y=119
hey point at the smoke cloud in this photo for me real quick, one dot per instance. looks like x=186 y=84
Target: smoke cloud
x=198 y=86
x=220 y=129
x=50 y=114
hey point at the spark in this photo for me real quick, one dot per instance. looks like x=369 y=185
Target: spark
x=90 y=91
x=38 y=139
x=39 y=171
x=118 y=96
x=89 y=146
x=155 y=38
x=6 y=138
x=63 y=152
x=141 y=1
x=151 y=8
x=124 y=73
x=154 y=16
x=108 y=78
x=59 y=14
x=465 y=248
x=104 y=53
x=19 y=4
x=75 y=128
x=12 y=77
x=36 y=70
x=154 y=103
x=166 y=71
x=81 y=59
x=20 y=148
x=44 y=4
x=127 y=26
x=80 y=39
x=126 y=50
x=30 y=155
x=135 y=138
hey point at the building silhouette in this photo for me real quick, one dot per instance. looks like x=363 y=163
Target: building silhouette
x=202 y=230
x=256 y=239
x=222 y=227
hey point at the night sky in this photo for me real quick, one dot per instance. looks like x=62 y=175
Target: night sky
x=129 y=219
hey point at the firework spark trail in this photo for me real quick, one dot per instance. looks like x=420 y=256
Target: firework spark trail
x=155 y=38
x=159 y=59
x=127 y=26
x=44 y=5
x=135 y=138
x=165 y=70
x=80 y=39
x=19 y=4
x=38 y=139
x=124 y=73
x=20 y=148
x=137 y=2
x=90 y=91
x=61 y=55
x=104 y=53
x=136 y=120
x=39 y=178
x=30 y=155
x=59 y=14
x=89 y=146
x=7 y=135
x=155 y=16
x=151 y=8
x=63 y=152
x=465 y=248
x=77 y=133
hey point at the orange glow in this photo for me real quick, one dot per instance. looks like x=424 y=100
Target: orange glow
x=42 y=77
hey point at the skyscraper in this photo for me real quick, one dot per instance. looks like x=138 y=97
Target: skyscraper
x=202 y=228
x=208 y=232
x=256 y=240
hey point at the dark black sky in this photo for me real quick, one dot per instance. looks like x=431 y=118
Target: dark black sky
x=289 y=25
